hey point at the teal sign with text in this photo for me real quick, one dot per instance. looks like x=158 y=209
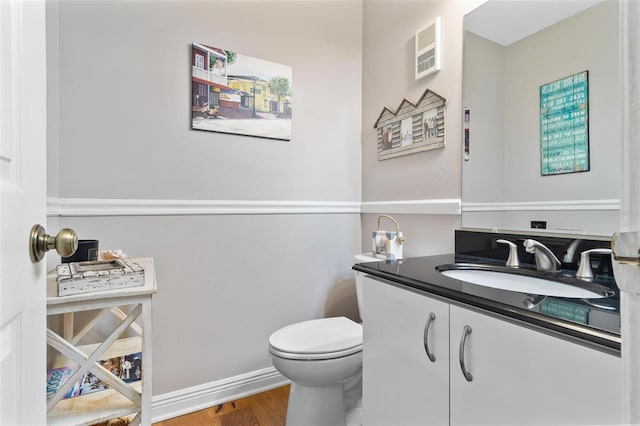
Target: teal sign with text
x=564 y=125
x=565 y=311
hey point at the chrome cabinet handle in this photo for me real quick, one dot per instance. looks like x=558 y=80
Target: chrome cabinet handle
x=463 y=341
x=431 y=356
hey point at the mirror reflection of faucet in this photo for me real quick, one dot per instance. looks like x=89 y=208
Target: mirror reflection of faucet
x=545 y=259
x=533 y=300
x=571 y=253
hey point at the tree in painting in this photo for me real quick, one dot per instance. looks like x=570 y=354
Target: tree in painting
x=279 y=86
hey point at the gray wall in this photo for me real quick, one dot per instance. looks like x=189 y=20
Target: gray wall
x=125 y=85
x=434 y=176
x=119 y=132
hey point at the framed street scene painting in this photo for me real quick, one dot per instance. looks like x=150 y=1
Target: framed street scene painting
x=239 y=94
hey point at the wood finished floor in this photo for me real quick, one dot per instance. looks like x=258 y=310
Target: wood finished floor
x=264 y=409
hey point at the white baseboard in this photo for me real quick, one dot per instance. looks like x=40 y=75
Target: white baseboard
x=188 y=400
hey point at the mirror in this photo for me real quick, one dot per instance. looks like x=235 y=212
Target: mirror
x=511 y=49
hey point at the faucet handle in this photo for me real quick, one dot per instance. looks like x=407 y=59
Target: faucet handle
x=584 y=270
x=512 y=261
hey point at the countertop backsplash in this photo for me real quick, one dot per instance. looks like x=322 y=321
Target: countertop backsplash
x=567 y=249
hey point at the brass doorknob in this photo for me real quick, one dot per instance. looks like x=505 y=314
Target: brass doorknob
x=65 y=243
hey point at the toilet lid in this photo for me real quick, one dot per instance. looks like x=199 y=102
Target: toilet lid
x=324 y=338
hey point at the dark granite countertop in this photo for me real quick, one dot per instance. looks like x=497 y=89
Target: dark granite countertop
x=595 y=322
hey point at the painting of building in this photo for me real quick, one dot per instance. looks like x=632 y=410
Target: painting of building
x=240 y=94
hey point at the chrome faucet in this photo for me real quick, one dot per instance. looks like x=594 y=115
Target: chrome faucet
x=512 y=261
x=584 y=271
x=545 y=259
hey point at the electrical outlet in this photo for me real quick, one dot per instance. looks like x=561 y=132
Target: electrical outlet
x=538 y=224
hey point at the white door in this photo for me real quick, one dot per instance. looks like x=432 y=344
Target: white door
x=22 y=204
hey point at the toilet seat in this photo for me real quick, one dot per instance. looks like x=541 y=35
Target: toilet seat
x=319 y=339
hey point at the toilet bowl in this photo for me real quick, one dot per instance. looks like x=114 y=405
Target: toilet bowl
x=319 y=357
x=323 y=360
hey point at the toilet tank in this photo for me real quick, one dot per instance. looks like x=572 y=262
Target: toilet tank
x=362 y=258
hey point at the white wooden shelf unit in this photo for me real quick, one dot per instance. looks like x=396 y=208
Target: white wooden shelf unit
x=132 y=308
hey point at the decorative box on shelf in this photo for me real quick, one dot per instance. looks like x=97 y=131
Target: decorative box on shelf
x=85 y=277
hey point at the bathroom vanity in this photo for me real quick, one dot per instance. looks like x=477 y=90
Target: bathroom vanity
x=442 y=351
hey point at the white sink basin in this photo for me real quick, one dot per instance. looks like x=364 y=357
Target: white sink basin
x=521 y=283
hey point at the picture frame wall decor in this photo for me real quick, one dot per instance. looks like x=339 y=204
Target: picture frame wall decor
x=564 y=125
x=412 y=127
x=427 y=49
x=240 y=94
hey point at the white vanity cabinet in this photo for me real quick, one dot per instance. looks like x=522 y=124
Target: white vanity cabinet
x=519 y=376
x=525 y=377
x=401 y=385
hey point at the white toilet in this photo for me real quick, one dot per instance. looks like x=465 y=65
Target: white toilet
x=323 y=360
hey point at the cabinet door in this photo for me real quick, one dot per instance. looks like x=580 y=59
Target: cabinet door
x=525 y=377
x=401 y=385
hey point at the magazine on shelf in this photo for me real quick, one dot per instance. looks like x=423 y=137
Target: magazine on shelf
x=57 y=377
x=126 y=367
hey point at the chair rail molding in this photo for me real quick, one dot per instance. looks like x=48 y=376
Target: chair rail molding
x=572 y=205
x=70 y=207
x=444 y=206
x=78 y=207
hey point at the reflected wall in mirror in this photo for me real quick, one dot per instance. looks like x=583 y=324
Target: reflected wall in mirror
x=502 y=185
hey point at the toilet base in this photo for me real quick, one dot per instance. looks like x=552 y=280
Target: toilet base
x=316 y=406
